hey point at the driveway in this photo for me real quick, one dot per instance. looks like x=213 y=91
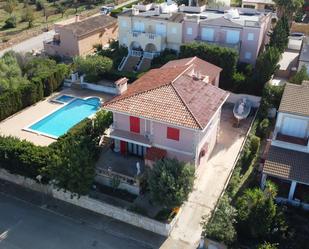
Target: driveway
x=210 y=182
x=35 y=43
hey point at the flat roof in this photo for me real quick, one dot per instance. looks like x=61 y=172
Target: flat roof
x=304 y=53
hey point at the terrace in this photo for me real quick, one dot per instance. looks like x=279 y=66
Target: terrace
x=15 y=125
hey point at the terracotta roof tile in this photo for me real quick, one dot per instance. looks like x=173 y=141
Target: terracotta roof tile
x=287 y=164
x=202 y=66
x=295 y=99
x=170 y=95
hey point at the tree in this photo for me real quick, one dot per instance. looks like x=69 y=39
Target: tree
x=300 y=76
x=10 y=6
x=72 y=166
x=93 y=66
x=170 y=182
x=221 y=227
x=226 y=58
x=257 y=212
x=280 y=36
x=266 y=66
x=29 y=17
x=288 y=7
x=61 y=9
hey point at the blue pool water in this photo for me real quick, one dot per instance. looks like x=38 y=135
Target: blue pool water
x=60 y=121
x=64 y=98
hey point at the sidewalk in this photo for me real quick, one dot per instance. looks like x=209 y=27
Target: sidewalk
x=209 y=184
x=82 y=216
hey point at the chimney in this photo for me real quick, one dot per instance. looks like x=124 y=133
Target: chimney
x=77 y=18
x=206 y=79
x=121 y=85
x=135 y=11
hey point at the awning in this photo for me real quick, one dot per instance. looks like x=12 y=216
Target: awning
x=130 y=137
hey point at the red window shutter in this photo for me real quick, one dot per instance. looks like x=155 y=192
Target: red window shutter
x=134 y=124
x=173 y=133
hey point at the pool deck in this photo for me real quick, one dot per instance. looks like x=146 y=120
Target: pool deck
x=14 y=125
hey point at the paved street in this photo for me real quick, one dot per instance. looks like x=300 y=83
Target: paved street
x=26 y=226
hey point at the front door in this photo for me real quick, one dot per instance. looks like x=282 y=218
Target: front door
x=123 y=147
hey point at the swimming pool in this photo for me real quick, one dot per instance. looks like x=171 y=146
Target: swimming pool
x=60 y=121
x=64 y=99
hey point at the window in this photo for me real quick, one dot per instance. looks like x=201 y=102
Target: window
x=160 y=29
x=248 y=55
x=232 y=36
x=138 y=27
x=174 y=30
x=172 y=133
x=124 y=24
x=134 y=124
x=207 y=34
x=189 y=31
x=250 y=36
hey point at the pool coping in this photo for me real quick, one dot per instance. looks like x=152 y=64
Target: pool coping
x=63 y=104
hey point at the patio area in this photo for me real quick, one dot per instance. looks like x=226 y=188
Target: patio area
x=14 y=125
x=124 y=165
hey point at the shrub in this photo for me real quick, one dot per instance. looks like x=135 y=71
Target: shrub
x=221 y=227
x=257 y=212
x=165 y=56
x=22 y=157
x=280 y=35
x=10 y=23
x=300 y=76
x=170 y=182
x=267 y=245
x=226 y=58
x=263 y=128
x=266 y=65
x=39 y=4
x=250 y=152
x=93 y=66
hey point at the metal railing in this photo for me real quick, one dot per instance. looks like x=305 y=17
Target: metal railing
x=123 y=178
x=136 y=53
x=122 y=63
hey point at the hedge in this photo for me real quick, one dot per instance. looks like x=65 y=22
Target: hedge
x=226 y=58
x=72 y=171
x=42 y=85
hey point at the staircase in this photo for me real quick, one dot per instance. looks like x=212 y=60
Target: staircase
x=144 y=65
x=131 y=63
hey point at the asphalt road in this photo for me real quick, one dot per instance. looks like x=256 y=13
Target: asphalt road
x=26 y=226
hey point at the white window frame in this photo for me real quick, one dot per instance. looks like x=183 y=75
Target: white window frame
x=248 y=55
x=232 y=41
x=138 y=26
x=250 y=37
x=189 y=31
x=161 y=29
x=209 y=34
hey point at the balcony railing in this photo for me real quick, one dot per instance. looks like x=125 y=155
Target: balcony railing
x=291 y=139
x=123 y=178
x=235 y=46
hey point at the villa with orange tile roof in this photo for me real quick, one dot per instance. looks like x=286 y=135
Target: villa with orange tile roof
x=173 y=112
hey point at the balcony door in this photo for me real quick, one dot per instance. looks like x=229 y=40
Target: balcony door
x=294 y=127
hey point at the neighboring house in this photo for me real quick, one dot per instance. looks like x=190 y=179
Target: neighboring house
x=148 y=29
x=258 y=4
x=304 y=55
x=287 y=160
x=79 y=37
x=173 y=112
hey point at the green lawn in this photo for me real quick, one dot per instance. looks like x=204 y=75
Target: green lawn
x=40 y=20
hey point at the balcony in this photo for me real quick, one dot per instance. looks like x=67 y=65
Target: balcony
x=235 y=46
x=291 y=139
x=145 y=38
x=290 y=142
x=131 y=137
